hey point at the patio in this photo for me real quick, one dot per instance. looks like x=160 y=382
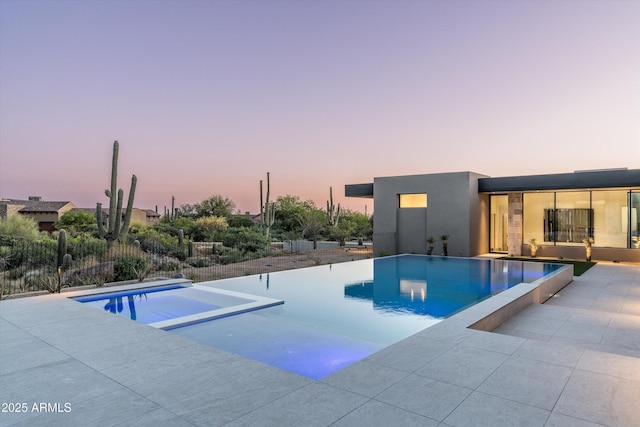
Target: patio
x=572 y=361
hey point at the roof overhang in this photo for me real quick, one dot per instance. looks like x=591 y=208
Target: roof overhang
x=579 y=180
x=359 y=190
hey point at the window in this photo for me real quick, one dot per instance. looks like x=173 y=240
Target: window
x=415 y=200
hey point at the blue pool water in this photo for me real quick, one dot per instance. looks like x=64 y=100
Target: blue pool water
x=159 y=303
x=338 y=314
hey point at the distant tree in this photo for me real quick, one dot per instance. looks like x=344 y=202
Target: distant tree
x=78 y=221
x=312 y=223
x=215 y=206
x=361 y=223
x=289 y=210
x=188 y=211
x=18 y=227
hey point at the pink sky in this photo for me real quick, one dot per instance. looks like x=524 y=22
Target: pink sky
x=205 y=97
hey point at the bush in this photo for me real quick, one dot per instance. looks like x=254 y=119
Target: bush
x=130 y=267
x=18 y=228
x=245 y=239
x=199 y=261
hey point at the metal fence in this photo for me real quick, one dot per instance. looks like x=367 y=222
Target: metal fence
x=30 y=267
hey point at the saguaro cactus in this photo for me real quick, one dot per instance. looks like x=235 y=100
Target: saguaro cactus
x=172 y=215
x=333 y=213
x=267 y=210
x=62 y=247
x=116 y=228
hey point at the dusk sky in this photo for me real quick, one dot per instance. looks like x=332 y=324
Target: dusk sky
x=206 y=97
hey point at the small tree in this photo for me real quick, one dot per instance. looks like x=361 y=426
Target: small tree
x=312 y=223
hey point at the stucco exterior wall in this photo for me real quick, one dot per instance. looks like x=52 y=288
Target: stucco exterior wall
x=454 y=207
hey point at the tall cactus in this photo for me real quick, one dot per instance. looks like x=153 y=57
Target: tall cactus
x=62 y=247
x=267 y=210
x=116 y=231
x=172 y=215
x=333 y=213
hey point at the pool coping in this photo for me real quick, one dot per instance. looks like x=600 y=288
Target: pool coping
x=256 y=302
x=490 y=313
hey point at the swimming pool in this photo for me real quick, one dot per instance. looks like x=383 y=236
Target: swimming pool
x=171 y=305
x=335 y=315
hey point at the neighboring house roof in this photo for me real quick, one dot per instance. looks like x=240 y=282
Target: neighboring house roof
x=32 y=206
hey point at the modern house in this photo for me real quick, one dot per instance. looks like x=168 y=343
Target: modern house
x=481 y=214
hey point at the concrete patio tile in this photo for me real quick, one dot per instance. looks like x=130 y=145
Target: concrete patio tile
x=536 y=325
x=450 y=330
x=44 y=383
x=559 y=420
x=367 y=379
x=494 y=342
x=600 y=399
x=586 y=345
x=179 y=360
x=316 y=404
x=631 y=306
x=571 y=301
x=625 y=321
x=463 y=366
x=612 y=304
x=577 y=331
x=523 y=334
x=216 y=396
x=627 y=338
x=544 y=382
x=610 y=364
x=118 y=354
x=158 y=418
x=558 y=354
x=374 y=413
x=410 y=354
x=35 y=353
x=425 y=396
x=483 y=410
x=623 y=351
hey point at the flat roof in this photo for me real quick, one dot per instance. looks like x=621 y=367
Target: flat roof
x=613 y=178
x=579 y=180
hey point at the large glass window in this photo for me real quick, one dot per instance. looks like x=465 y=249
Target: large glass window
x=611 y=218
x=635 y=219
x=534 y=221
x=499 y=223
x=573 y=217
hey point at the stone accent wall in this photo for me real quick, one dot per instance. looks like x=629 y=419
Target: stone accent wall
x=514 y=233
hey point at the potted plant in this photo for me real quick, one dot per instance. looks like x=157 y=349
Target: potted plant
x=533 y=246
x=588 y=242
x=430 y=241
x=445 y=241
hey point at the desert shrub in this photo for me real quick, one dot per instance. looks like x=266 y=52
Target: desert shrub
x=232 y=255
x=207 y=228
x=245 y=239
x=165 y=263
x=200 y=261
x=130 y=267
x=31 y=254
x=18 y=228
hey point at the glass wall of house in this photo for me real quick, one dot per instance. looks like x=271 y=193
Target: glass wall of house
x=635 y=219
x=535 y=224
x=610 y=218
x=566 y=218
x=499 y=225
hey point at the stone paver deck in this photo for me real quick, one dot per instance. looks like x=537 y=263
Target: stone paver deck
x=574 y=361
